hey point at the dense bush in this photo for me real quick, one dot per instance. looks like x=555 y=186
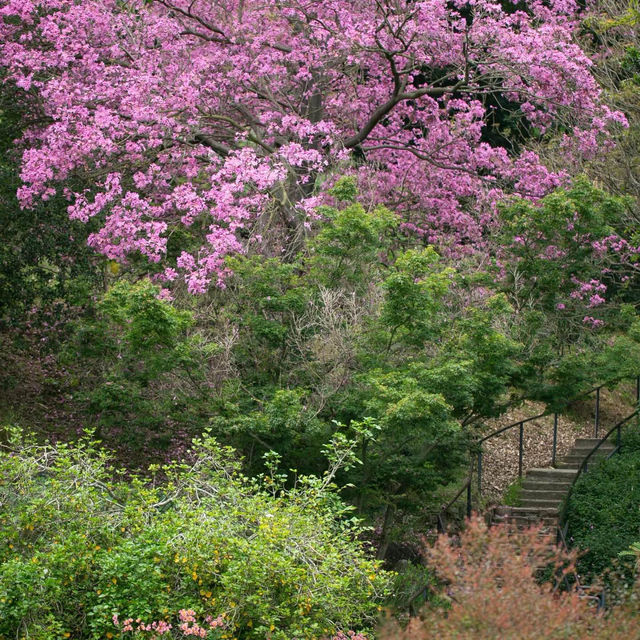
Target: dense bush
x=143 y=366
x=604 y=509
x=85 y=553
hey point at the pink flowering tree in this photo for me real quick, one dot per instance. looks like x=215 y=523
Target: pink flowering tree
x=569 y=265
x=198 y=127
x=570 y=256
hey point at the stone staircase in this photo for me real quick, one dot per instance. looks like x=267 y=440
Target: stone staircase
x=543 y=490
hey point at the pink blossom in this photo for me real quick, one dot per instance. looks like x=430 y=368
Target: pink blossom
x=592 y=322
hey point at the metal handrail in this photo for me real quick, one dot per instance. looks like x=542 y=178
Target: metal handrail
x=477 y=444
x=510 y=426
x=548 y=413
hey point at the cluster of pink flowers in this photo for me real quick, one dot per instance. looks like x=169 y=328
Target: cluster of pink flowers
x=188 y=624
x=215 y=623
x=591 y=289
x=593 y=322
x=349 y=635
x=616 y=244
x=190 y=627
x=158 y=627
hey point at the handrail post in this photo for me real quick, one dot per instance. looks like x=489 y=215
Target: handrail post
x=520 y=450
x=469 y=499
x=555 y=439
x=597 y=410
x=480 y=471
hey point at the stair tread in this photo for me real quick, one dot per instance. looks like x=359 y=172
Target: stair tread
x=541 y=495
x=598 y=454
x=535 y=504
x=603 y=447
x=525 y=510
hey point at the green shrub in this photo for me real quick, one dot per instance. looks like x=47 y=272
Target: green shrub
x=512 y=494
x=143 y=365
x=604 y=509
x=78 y=547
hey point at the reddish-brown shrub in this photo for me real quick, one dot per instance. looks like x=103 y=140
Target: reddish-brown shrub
x=494 y=592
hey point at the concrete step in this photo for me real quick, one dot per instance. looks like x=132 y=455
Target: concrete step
x=544 y=489
x=535 y=503
x=581 y=455
x=572 y=457
x=605 y=446
x=531 y=515
x=549 y=525
x=575 y=464
x=551 y=475
x=536 y=512
x=518 y=520
x=533 y=484
x=551 y=493
x=589 y=442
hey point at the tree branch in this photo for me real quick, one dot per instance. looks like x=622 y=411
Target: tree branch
x=388 y=106
x=221 y=149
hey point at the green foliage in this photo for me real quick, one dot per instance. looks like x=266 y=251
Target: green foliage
x=413 y=586
x=512 y=494
x=138 y=327
x=630 y=64
x=347 y=251
x=361 y=326
x=345 y=189
x=413 y=295
x=603 y=512
x=491 y=360
x=136 y=345
x=554 y=256
x=282 y=422
x=80 y=544
x=262 y=299
x=633 y=551
x=622 y=358
x=628 y=16
x=416 y=445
